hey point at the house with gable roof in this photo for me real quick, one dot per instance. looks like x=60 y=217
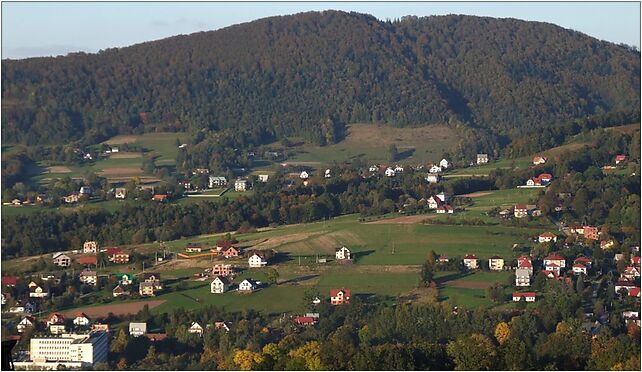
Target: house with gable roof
x=340 y=296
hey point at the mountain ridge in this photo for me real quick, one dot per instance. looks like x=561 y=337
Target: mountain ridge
x=288 y=73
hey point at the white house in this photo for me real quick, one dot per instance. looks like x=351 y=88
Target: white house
x=482 y=159
x=398 y=169
x=216 y=181
x=61 y=259
x=120 y=193
x=342 y=253
x=247 y=286
x=90 y=247
x=555 y=259
x=528 y=296
x=196 y=329
x=435 y=169
x=257 y=260
x=219 y=285
x=373 y=168
x=444 y=163
x=38 y=292
x=547 y=237
x=85 y=190
x=521 y=210
x=137 y=329
x=264 y=177
x=445 y=209
x=434 y=202
x=443 y=196
x=26 y=322
x=471 y=262
x=81 y=320
x=304 y=175
x=578 y=269
x=432 y=178
x=327 y=173
x=390 y=172
x=496 y=263
x=240 y=185
x=88 y=277
x=522 y=277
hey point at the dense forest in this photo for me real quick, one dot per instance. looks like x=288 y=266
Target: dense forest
x=309 y=74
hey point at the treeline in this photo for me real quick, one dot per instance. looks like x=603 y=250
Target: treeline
x=272 y=203
x=306 y=75
x=370 y=335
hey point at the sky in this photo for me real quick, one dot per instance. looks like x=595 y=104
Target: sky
x=31 y=29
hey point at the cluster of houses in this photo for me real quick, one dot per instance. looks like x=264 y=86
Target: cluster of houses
x=619 y=160
x=57 y=323
x=74 y=197
x=439 y=203
x=543 y=180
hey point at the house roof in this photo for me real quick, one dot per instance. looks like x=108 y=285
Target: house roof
x=159 y=197
x=524 y=263
x=579 y=266
x=118 y=289
x=81 y=315
x=224 y=280
x=155 y=336
x=583 y=259
x=224 y=244
x=495 y=258
x=520 y=206
x=194 y=245
x=545 y=176
x=334 y=292
x=547 y=234
x=55 y=315
x=340 y=248
x=554 y=257
x=552 y=265
x=149 y=275
x=88 y=273
x=9 y=280
x=635 y=292
x=86 y=260
x=113 y=250
x=620 y=157
x=304 y=319
x=635 y=260
x=470 y=257
x=524 y=294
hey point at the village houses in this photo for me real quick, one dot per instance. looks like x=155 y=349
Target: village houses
x=527 y=296
x=146 y=289
x=537 y=160
x=521 y=210
x=390 y=172
x=432 y=178
x=194 y=247
x=38 y=291
x=444 y=164
x=523 y=277
x=216 y=182
x=117 y=255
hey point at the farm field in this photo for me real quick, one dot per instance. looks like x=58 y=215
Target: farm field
x=371 y=141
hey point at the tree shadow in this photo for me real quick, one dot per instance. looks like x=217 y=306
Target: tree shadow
x=454 y=276
x=401 y=155
x=357 y=256
x=299 y=279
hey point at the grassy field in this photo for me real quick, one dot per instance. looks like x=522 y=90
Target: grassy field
x=371 y=141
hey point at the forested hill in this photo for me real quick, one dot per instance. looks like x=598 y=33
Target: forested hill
x=290 y=74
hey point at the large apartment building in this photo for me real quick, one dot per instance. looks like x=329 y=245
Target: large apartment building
x=69 y=350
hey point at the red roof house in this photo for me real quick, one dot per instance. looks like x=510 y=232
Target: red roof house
x=305 y=320
x=9 y=281
x=87 y=260
x=159 y=197
x=340 y=296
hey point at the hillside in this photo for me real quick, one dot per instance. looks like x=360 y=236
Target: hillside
x=309 y=74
